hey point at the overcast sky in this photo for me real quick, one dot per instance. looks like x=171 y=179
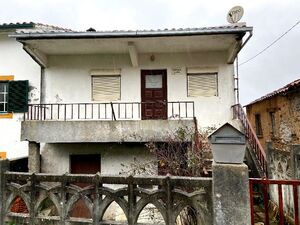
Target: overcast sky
x=270 y=18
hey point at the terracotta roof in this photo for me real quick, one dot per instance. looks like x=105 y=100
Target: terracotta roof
x=234 y=28
x=16 y=25
x=281 y=91
x=31 y=27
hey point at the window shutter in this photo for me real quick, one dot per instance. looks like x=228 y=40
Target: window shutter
x=202 y=85
x=106 y=88
x=17 y=96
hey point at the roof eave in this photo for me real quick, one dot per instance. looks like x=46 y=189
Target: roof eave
x=129 y=34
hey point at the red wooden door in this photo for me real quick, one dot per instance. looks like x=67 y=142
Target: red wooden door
x=154 y=94
x=83 y=164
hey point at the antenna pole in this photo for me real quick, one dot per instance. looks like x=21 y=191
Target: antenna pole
x=236 y=82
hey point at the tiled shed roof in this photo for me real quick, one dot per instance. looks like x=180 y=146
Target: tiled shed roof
x=25 y=34
x=282 y=91
x=16 y=25
x=237 y=26
x=31 y=27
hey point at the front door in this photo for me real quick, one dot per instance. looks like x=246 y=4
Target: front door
x=154 y=94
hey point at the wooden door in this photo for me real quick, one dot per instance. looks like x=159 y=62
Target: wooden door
x=154 y=94
x=83 y=164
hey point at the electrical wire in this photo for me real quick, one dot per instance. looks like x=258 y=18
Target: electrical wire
x=266 y=48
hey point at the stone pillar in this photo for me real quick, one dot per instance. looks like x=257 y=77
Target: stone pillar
x=295 y=161
x=34 y=160
x=231 y=201
x=4 y=166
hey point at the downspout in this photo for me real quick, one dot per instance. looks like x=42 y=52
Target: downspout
x=236 y=77
x=42 y=86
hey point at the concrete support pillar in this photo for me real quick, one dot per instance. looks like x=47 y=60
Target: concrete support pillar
x=231 y=201
x=34 y=160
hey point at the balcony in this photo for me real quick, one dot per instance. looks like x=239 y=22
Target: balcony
x=106 y=122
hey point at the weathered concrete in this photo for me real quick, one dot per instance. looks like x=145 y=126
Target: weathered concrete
x=102 y=131
x=283 y=165
x=116 y=158
x=166 y=196
x=34 y=159
x=295 y=164
x=231 y=194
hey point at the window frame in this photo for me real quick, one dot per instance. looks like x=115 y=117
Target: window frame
x=201 y=74
x=273 y=123
x=258 y=125
x=4 y=93
x=105 y=73
x=6 y=79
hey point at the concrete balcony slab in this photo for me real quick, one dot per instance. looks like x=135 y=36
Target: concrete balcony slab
x=103 y=131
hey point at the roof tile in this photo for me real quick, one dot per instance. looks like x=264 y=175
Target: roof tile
x=293 y=85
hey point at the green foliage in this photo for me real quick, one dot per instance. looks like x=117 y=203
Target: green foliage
x=182 y=154
x=10 y=223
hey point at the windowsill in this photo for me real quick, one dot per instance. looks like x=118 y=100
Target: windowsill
x=2 y=155
x=6 y=115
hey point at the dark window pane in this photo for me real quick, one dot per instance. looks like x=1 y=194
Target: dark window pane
x=3 y=87
x=1 y=107
x=258 y=126
x=1 y=97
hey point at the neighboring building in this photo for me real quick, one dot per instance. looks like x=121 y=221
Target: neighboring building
x=276 y=116
x=276 y=119
x=16 y=69
x=15 y=65
x=104 y=94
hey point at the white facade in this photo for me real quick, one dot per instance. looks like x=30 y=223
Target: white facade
x=68 y=80
x=14 y=61
x=70 y=57
x=115 y=158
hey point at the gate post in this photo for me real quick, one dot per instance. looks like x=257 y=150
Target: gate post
x=231 y=201
x=34 y=161
x=4 y=166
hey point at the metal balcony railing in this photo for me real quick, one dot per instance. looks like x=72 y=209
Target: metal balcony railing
x=107 y=111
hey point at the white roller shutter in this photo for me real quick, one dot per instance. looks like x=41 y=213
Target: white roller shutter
x=106 y=88
x=205 y=84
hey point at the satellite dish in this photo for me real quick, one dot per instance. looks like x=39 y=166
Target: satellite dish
x=235 y=14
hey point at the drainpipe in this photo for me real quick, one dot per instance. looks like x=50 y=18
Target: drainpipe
x=42 y=86
x=236 y=77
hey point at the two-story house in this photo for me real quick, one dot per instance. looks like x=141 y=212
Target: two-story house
x=104 y=94
x=15 y=66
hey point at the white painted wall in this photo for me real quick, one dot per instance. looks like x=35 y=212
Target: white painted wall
x=68 y=80
x=55 y=157
x=15 y=61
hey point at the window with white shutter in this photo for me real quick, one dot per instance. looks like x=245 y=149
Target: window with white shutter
x=202 y=84
x=106 y=85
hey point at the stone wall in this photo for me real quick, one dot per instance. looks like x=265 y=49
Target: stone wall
x=286 y=111
x=283 y=165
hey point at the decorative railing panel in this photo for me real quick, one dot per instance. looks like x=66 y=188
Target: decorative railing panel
x=252 y=139
x=85 y=199
x=105 y=111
